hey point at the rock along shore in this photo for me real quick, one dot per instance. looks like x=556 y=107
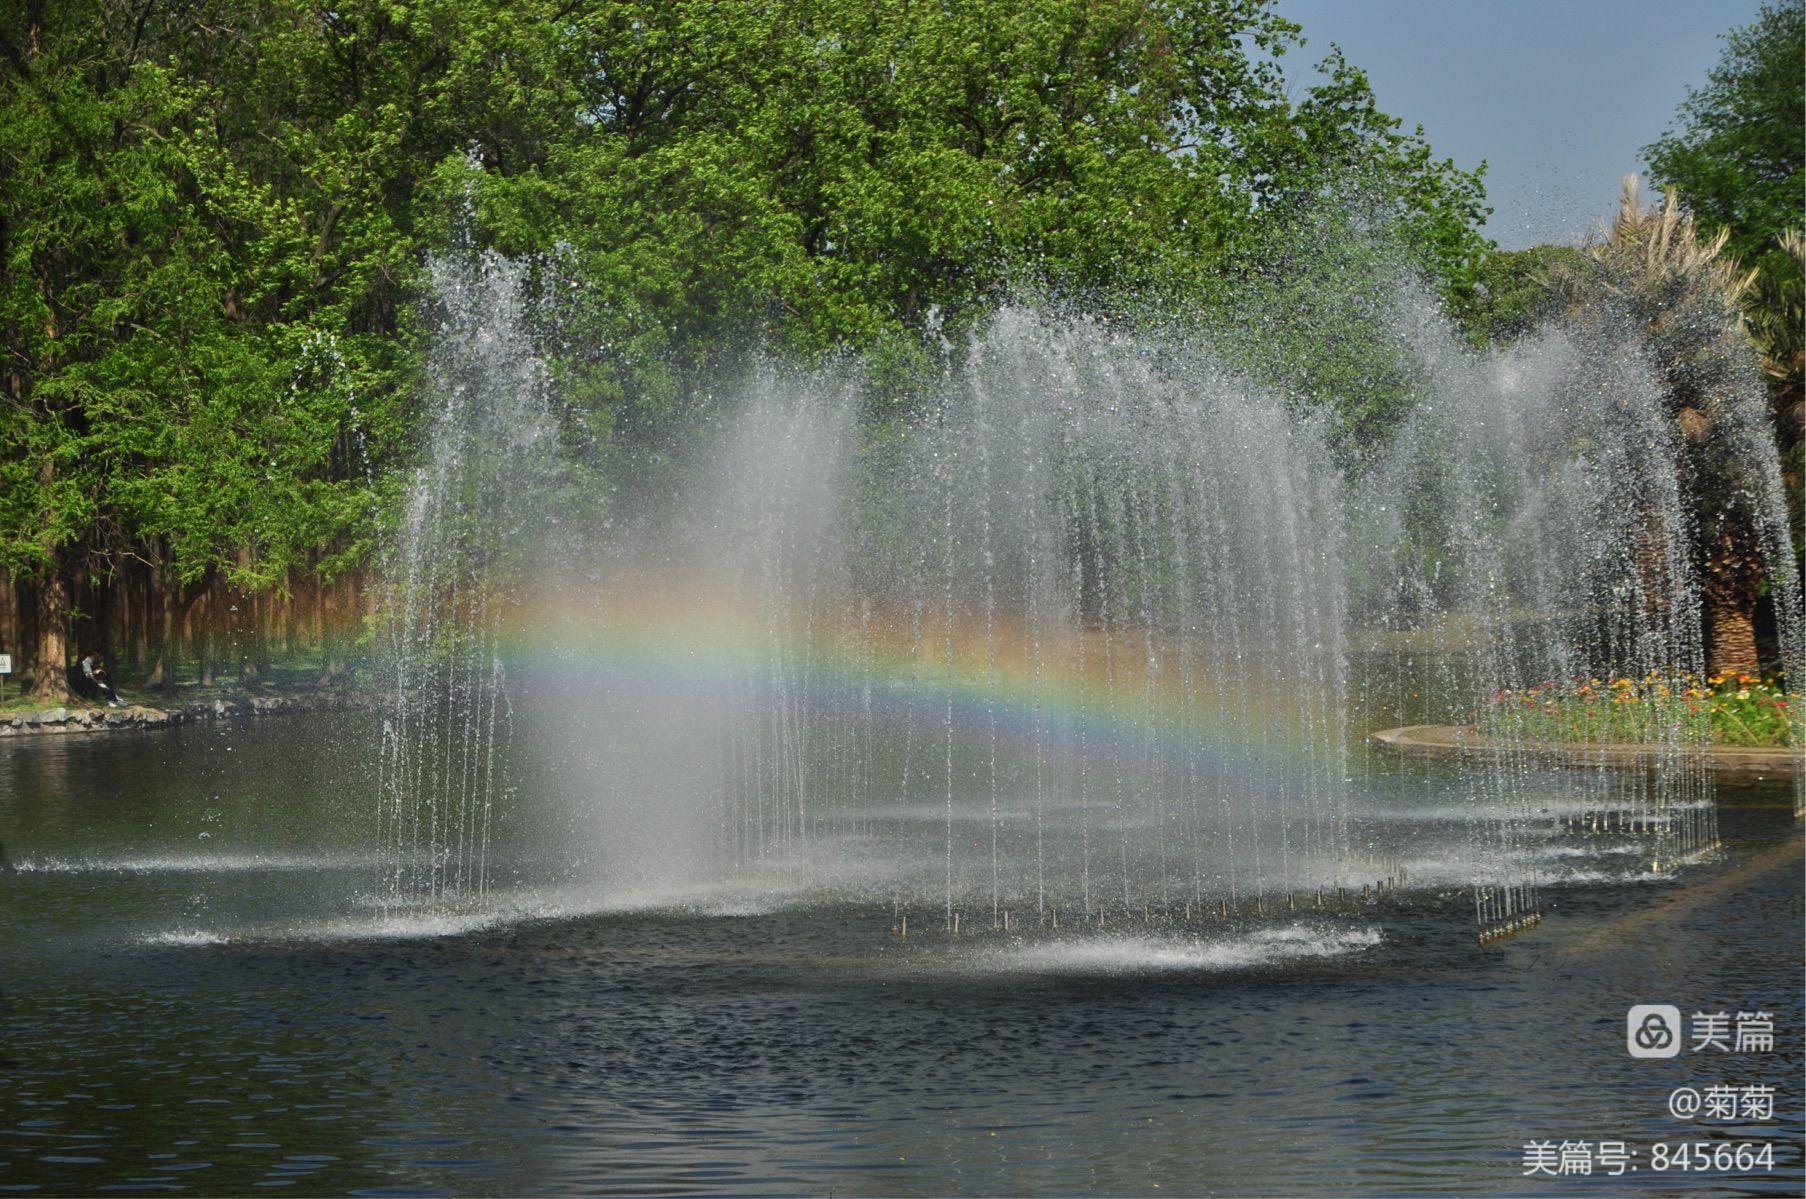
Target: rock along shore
x=137 y=716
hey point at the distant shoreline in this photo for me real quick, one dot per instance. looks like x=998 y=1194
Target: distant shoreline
x=97 y=719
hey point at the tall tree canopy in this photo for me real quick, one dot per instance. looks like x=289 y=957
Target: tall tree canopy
x=213 y=218
x=1738 y=158
x=204 y=229
x=1738 y=163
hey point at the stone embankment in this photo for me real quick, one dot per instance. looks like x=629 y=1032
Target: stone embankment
x=101 y=720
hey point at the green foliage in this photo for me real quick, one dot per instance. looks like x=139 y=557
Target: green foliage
x=1515 y=293
x=877 y=176
x=213 y=219
x=1738 y=159
x=1738 y=162
x=1337 y=147
x=200 y=292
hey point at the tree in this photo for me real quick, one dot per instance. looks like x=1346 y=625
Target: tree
x=213 y=219
x=1738 y=161
x=199 y=274
x=1678 y=292
x=876 y=176
x=1738 y=158
x=1513 y=292
x=1774 y=320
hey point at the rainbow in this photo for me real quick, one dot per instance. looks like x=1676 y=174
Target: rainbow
x=1058 y=685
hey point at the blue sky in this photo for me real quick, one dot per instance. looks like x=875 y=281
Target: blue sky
x=1558 y=97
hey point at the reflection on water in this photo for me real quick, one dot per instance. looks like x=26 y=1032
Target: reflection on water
x=204 y=990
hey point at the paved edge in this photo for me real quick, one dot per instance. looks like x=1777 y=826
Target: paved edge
x=1458 y=741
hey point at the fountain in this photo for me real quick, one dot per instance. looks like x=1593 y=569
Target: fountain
x=448 y=575
x=1074 y=645
x=1565 y=573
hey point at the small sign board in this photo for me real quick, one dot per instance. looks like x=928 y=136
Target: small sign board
x=6 y=663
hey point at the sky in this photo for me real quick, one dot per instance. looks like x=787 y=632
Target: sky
x=1558 y=96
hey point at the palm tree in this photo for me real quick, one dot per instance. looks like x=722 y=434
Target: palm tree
x=1681 y=296
x=1774 y=320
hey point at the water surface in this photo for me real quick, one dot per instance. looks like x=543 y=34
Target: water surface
x=201 y=991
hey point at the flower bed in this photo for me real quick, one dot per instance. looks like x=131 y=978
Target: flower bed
x=1724 y=709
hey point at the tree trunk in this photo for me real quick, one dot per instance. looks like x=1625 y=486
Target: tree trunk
x=9 y=615
x=1731 y=636
x=50 y=681
x=326 y=621
x=203 y=641
x=1655 y=572
x=317 y=602
x=1730 y=585
x=142 y=610
x=163 y=674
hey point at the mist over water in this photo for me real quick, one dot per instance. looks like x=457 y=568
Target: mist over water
x=1079 y=642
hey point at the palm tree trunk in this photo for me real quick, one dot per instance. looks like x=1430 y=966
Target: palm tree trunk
x=1731 y=574
x=1731 y=637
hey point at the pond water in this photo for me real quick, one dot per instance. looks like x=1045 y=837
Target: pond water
x=201 y=991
